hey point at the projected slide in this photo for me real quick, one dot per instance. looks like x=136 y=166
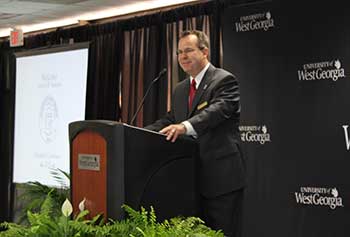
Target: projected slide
x=50 y=93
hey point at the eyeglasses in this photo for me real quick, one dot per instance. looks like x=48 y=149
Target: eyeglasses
x=186 y=51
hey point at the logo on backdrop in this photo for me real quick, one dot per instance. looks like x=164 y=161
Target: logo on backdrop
x=327 y=70
x=346 y=135
x=48 y=119
x=258 y=21
x=315 y=196
x=256 y=134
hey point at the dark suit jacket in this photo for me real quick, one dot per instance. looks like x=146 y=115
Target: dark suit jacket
x=214 y=116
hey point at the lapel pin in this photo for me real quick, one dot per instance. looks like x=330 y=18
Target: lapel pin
x=202 y=105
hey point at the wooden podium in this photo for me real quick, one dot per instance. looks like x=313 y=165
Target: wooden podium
x=114 y=164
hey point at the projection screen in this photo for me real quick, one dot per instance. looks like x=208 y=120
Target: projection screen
x=50 y=93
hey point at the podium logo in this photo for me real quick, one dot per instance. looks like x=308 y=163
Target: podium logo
x=48 y=119
x=259 y=21
x=346 y=135
x=328 y=197
x=257 y=134
x=327 y=70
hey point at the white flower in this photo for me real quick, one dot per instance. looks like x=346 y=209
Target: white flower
x=67 y=208
x=82 y=205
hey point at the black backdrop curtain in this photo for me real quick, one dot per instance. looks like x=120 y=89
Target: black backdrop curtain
x=124 y=57
x=143 y=59
x=6 y=121
x=103 y=78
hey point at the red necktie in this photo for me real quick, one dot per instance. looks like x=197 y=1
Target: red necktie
x=192 y=93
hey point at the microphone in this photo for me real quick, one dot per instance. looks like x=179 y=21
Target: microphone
x=144 y=97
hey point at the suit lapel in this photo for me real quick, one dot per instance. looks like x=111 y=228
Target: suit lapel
x=201 y=89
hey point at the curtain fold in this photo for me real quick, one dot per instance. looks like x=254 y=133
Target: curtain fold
x=6 y=132
x=143 y=59
x=102 y=98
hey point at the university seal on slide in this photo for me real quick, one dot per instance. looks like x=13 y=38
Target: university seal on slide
x=48 y=119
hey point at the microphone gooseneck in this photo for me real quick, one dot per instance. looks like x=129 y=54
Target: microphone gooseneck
x=161 y=73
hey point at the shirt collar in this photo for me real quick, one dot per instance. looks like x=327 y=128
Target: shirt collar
x=200 y=75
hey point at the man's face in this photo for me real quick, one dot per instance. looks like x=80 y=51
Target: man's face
x=191 y=59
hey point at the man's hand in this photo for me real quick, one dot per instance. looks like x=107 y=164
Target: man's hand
x=173 y=131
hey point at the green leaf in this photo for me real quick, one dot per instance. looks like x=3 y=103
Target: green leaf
x=81 y=215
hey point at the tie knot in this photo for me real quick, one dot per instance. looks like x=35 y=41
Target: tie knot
x=193 y=84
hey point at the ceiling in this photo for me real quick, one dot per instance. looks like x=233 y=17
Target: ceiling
x=34 y=15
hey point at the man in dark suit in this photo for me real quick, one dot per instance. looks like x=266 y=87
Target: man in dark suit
x=206 y=106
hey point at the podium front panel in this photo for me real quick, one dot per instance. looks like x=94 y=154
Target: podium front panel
x=89 y=172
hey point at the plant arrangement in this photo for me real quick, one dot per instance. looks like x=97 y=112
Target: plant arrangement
x=46 y=216
x=143 y=223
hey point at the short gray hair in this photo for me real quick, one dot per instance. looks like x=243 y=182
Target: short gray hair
x=203 y=40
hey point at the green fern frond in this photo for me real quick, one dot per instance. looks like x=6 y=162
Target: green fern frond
x=60 y=177
x=81 y=215
x=152 y=216
x=47 y=206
